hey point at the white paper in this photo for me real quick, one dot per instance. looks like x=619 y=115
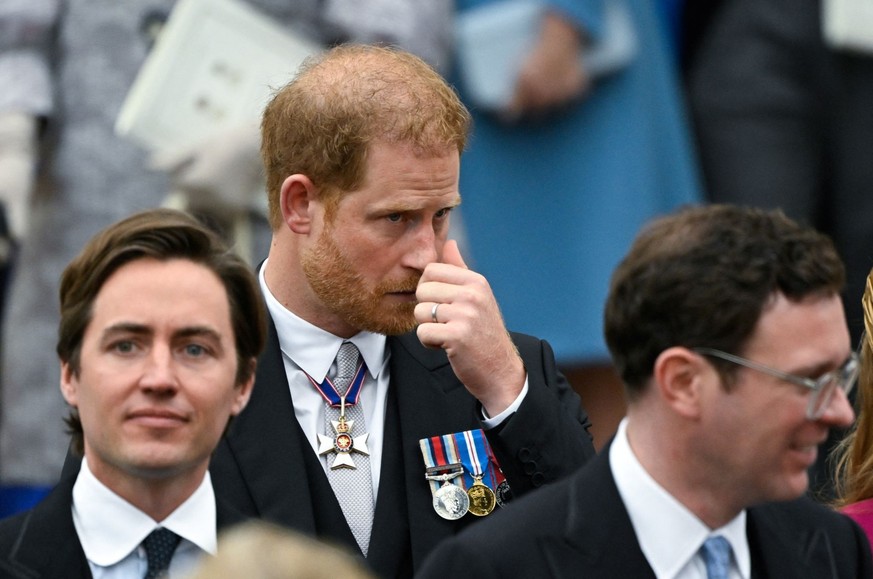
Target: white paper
x=215 y=65
x=848 y=25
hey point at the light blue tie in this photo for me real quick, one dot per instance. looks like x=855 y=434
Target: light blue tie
x=716 y=553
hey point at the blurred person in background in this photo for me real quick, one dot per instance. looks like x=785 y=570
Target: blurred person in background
x=260 y=550
x=556 y=184
x=854 y=455
x=6 y=258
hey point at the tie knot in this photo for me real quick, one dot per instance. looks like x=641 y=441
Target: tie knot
x=346 y=364
x=159 y=547
x=716 y=553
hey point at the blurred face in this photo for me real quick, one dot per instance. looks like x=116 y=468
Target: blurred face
x=758 y=437
x=366 y=262
x=158 y=363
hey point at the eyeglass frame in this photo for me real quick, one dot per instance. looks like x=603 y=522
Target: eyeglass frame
x=817 y=403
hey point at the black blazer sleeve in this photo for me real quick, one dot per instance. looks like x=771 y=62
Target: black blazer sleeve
x=547 y=438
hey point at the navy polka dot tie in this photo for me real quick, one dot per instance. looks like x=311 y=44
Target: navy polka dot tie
x=159 y=546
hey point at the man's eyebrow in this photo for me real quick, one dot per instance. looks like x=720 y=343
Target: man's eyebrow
x=144 y=330
x=194 y=331
x=817 y=370
x=126 y=328
x=404 y=206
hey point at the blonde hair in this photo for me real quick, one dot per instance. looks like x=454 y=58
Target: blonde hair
x=854 y=455
x=261 y=550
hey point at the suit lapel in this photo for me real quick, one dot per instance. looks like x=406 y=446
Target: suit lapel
x=266 y=430
x=389 y=542
x=431 y=401
x=593 y=496
x=781 y=549
x=226 y=515
x=48 y=545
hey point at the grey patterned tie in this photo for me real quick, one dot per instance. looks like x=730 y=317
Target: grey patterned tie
x=353 y=487
x=159 y=547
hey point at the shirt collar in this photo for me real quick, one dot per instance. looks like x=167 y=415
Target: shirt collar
x=669 y=534
x=110 y=528
x=314 y=349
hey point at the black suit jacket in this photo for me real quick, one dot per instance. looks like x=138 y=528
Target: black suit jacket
x=42 y=543
x=266 y=468
x=580 y=528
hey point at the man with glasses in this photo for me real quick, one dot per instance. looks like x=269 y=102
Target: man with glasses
x=727 y=327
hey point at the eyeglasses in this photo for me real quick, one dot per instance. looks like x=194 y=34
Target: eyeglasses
x=823 y=387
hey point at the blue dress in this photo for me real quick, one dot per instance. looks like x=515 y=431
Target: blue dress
x=551 y=206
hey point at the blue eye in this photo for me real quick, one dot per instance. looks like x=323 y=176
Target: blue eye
x=195 y=350
x=123 y=347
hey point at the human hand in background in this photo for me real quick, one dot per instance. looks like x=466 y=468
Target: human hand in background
x=17 y=168
x=220 y=175
x=467 y=324
x=552 y=74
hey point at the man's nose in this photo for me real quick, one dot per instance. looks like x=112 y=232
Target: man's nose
x=838 y=413
x=423 y=250
x=159 y=370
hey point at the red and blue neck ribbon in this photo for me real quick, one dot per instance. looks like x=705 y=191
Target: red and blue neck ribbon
x=329 y=392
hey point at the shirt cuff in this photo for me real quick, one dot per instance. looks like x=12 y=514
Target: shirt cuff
x=490 y=423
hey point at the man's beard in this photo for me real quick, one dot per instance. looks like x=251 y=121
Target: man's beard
x=333 y=278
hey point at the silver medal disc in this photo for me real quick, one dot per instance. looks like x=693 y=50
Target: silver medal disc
x=451 y=502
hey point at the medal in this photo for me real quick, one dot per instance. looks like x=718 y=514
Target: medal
x=449 y=501
x=482 y=499
x=468 y=456
x=342 y=443
x=503 y=494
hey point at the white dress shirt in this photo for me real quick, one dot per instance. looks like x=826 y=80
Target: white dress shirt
x=307 y=349
x=111 y=529
x=670 y=536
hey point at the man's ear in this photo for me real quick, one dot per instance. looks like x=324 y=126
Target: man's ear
x=69 y=385
x=296 y=198
x=679 y=375
x=244 y=390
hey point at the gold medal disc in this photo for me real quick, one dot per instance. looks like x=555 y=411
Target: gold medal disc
x=482 y=499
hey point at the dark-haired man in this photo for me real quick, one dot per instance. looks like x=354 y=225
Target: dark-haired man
x=727 y=327
x=161 y=326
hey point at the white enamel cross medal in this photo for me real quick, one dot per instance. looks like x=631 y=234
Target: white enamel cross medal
x=343 y=443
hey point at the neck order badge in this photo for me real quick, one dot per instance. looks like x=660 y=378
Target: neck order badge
x=339 y=393
x=351 y=482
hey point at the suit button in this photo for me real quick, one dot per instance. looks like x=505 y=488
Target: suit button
x=530 y=467
x=524 y=454
x=538 y=479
